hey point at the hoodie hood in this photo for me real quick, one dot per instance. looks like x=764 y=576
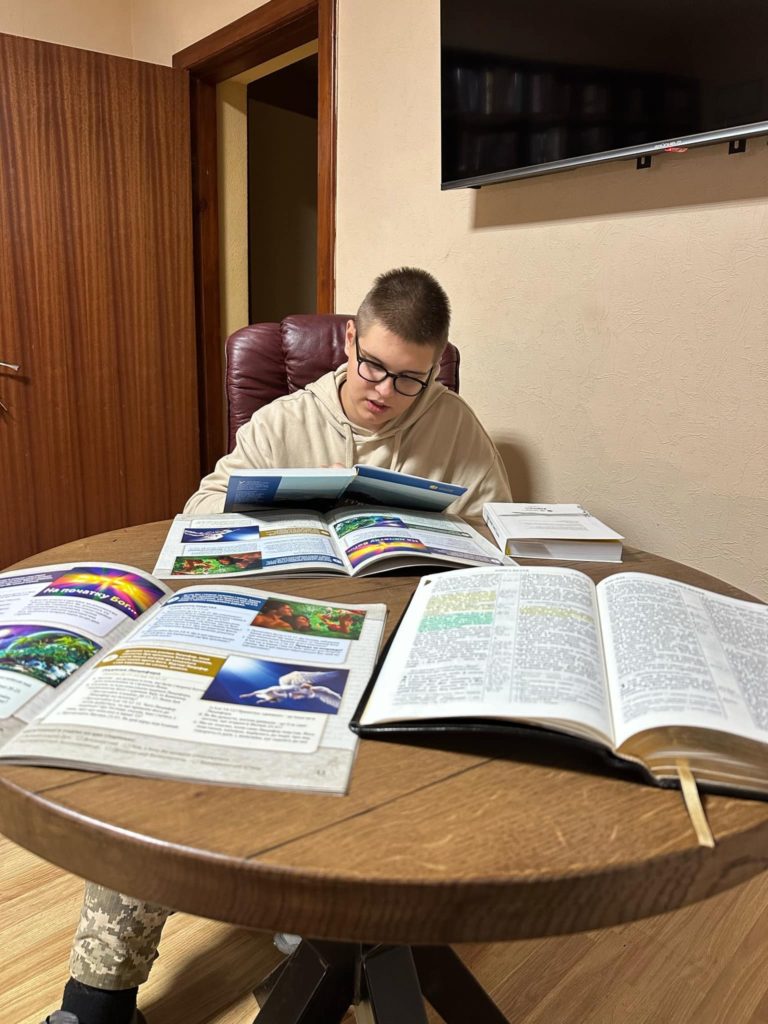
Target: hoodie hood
x=326 y=393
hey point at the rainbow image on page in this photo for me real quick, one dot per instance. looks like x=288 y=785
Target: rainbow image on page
x=124 y=591
x=48 y=655
x=367 y=549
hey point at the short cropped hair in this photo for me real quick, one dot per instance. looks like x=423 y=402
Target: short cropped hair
x=410 y=303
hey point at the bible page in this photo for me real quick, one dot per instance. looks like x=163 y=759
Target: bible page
x=678 y=655
x=513 y=643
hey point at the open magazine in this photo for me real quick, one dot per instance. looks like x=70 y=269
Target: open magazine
x=256 y=488
x=656 y=672
x=103 y=667
x=355 y=541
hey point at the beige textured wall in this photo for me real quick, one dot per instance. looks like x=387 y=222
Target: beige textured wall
x=163 y=27
x=147 y=30
x=613 y=323
x=102 y=25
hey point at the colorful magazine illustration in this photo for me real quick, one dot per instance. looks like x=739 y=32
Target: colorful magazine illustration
x=355 y=541
x=105 y=668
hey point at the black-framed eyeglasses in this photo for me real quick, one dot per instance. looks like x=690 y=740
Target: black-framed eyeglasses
x=375 y=373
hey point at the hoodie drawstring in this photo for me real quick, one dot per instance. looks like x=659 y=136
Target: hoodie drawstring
x=350 y=450
x=349 y=446
x=396 y=450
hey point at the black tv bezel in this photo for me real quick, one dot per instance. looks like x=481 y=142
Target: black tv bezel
x=684 y=142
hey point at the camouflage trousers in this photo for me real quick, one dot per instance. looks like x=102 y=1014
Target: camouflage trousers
x=116 y=939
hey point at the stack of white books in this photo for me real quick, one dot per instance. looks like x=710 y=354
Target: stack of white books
x=558 y=532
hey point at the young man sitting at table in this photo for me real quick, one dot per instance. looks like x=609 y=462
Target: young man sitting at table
x=384 y=407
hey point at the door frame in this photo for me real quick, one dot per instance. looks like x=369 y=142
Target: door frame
x=267 y=32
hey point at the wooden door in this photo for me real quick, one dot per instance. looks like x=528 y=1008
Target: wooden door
x=96 y=295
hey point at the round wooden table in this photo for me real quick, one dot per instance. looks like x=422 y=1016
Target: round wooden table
x=458 y=841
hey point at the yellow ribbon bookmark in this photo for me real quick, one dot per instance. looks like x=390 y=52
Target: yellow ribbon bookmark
x=693 y=805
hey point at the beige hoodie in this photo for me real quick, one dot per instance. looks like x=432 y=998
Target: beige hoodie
x=438 y=437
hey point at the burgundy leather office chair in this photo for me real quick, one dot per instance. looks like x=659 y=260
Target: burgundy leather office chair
x=265 y=361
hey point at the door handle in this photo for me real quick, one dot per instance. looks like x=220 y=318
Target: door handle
x=8 y=366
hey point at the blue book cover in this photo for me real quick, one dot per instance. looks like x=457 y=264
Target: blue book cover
x=260 y=488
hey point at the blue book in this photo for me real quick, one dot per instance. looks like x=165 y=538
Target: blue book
x=261 y=488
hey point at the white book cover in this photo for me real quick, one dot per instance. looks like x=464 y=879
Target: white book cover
x=558 y=531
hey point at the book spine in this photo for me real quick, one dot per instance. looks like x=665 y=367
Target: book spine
x=495 y=527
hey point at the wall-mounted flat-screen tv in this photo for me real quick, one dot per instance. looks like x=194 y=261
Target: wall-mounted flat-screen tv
x=533 y=86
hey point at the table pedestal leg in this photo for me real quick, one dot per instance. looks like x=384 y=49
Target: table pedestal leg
x=452 y=989
x=386 y=985
x=315 y=985
x=388 y=988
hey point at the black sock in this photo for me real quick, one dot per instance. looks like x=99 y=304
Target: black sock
x=99 y=1005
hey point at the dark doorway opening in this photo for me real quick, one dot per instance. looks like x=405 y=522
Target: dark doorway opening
x=272 y=29
x=282 y=192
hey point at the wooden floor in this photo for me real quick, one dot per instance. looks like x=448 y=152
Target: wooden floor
x=705 y=965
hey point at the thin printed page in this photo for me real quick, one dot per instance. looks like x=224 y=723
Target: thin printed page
x=56 y=619
x=221 y=684
x=681 y=656
x=367 y=535
x=232 y=545
x=513 y=643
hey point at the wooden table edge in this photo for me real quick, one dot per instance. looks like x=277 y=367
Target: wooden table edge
x=249 y=892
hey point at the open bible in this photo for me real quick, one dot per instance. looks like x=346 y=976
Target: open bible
x=352 y=541
x=658 y=673
x=103 y=667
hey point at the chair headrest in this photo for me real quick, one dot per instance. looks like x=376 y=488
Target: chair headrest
x=265 y=361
